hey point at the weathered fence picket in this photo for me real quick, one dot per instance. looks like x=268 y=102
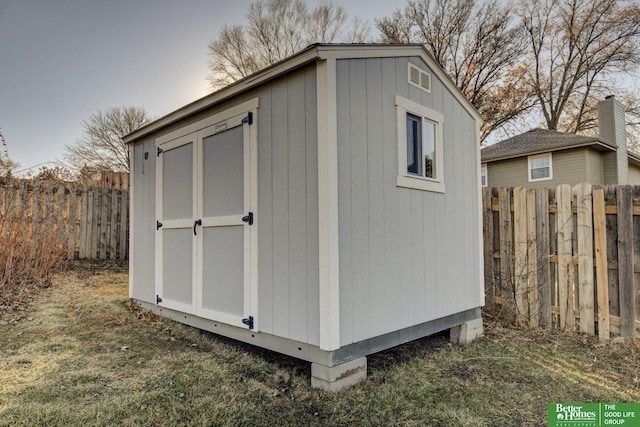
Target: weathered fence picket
x=94 y=220
x=567 y=258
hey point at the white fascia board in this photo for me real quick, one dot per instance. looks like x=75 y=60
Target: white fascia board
x=243 y=85
x=392 y=51
x=308 y=55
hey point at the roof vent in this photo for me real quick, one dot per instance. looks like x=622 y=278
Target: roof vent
x=419 y=78
x=609 y=97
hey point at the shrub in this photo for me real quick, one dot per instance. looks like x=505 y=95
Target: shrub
x=32 y=240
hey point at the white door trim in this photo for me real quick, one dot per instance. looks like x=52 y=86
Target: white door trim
x=196 y=133
x=172 y=224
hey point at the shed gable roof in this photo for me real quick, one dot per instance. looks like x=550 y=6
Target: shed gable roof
x=308 y=55
x=538 y=141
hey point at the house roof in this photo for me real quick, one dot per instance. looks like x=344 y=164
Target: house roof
x=306 y=56
x=538 y=141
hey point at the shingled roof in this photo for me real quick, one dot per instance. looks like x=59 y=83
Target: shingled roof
x=538 y=141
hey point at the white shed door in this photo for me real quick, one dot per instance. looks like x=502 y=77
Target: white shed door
x=176 y=209
x=224 y=242
x=206 y=246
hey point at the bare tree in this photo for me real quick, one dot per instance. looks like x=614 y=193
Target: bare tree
x=576 y=49
x=7 y=165
x=478 y=44
x=277 y=29
x=54 y=175
x=101 y=147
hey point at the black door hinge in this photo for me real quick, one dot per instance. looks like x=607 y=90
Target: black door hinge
x=248 y=321
x=249 y=119
x=160 y=150
x=248 y=219
x=158 y=225
x=158 y=299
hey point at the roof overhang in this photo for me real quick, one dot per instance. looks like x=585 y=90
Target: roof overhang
x=596 y=144
x=634 y=160
x=308 y=55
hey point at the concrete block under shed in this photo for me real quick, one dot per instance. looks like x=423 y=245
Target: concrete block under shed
x=339 y=377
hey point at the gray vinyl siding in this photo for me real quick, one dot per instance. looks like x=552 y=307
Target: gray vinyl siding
x=397 y=245
x=634 y=175
x=569 y=167
x=610 y=167
x=288 y=292
x=612 y=128
x=595 y=167
x=507 y=173
x=142 y=257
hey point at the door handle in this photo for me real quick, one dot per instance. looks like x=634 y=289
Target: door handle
x=248 y=219
x=196 y=223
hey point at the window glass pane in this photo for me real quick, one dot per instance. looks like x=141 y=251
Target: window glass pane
x=540 y=167
x=429 y=149
x=540 y=173
x=539 y=162
x=413 y=144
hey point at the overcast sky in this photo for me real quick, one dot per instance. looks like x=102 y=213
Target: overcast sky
x=62 y=60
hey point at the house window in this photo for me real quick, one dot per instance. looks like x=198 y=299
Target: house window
x=540 y=167
x=420 y=146
x=483 y=175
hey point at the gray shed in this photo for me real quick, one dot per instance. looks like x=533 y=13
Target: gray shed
x=327 y=207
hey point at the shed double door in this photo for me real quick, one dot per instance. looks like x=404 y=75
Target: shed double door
x=206 y=226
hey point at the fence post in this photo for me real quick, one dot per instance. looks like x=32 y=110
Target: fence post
x=73 y=211
x=625 y=262
x=506 y=250
x=114 y=223
x=584 y=209
x=636 y=254
x=543 y=248
x=124 y=223
x=600 y=240
x=520 y=252
x=532 y=260
x=60 y=212
x=564 y=219
x=104 y=214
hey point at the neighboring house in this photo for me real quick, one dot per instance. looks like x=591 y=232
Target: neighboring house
x=315 y=208
x=544 y=158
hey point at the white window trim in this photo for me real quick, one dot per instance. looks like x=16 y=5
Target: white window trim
x=537 y=156
x=404 y=179
x=484 y=173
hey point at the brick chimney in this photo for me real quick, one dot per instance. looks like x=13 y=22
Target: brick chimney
x=613 y=129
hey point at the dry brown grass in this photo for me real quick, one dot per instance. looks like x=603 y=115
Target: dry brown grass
x=83 y=355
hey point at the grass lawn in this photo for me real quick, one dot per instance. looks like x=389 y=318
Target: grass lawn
x=81 y=355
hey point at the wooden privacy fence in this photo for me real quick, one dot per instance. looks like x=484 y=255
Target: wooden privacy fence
x=117 y=180
x=566 y=258
x=95 y=220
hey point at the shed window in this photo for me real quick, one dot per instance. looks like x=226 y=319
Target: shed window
x=540 y=167
x=414 y=130
x=419 y=146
